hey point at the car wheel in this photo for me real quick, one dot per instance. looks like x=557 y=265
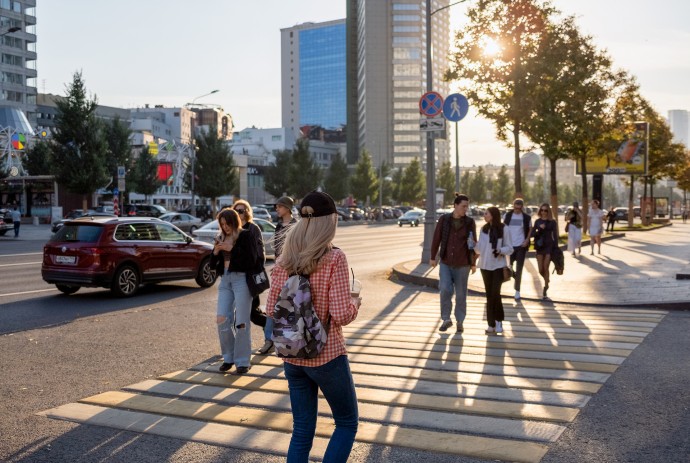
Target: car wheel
x=126 y=281
x=67 y=289
x=207 y=275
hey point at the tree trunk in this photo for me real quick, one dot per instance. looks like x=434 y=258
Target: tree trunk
x=554 y=191
x=631 y=202
x=518 y=170
x=585 y=194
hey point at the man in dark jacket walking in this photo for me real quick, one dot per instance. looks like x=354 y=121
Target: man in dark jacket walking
x=519 y=225
x=454 y=234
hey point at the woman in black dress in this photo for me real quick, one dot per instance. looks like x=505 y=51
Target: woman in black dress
x=545 y=239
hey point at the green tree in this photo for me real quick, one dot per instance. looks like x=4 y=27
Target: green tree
x=38 y=159
x=500 y=84
x=80 y=148
x=364 y=183
x=117 y=135
x=336 y=181
x=503 y=190
x=478 y=186
x=396 y=184
x=304 y=174
x=214 y=168
x=413 y=185
x=445 y=178
x=465 y=182
x=537 y=190
x=143 y=178
x=276 y=180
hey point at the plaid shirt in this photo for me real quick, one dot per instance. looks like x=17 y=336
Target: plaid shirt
x=330 y=292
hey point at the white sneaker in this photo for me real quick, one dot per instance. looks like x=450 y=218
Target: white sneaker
x=499 y=327
x=517 y=295
x=490 y=330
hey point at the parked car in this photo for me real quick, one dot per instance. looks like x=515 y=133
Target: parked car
x=144 y=210
x=268 y=231
x=261 y=213
x=122 y=253
x=77 y=213
x=203 y=211
x=5 y=221
x=412 y=218
x=621 y=214
x=185 y=222
x=344 y=214
x=636 y=211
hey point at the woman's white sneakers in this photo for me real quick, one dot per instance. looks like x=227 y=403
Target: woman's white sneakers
x=499 y=327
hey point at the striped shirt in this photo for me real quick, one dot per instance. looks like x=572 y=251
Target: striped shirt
x=330 y=292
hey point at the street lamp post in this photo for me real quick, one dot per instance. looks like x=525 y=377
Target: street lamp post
x=192 y=207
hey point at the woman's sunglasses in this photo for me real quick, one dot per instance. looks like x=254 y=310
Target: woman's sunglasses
x=543 y=210
x=240 y=211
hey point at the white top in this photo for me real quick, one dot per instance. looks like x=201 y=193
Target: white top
x=596 y=219
x=487 y=261
x=516 y=229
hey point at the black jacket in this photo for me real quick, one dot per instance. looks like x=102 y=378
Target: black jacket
x=247 y=255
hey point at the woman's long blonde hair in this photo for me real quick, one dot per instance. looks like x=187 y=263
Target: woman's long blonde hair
x=249 y=214
x=306 y=242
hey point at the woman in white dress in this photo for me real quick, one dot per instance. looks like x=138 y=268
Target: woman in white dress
x=573 y=226
x=596 y=225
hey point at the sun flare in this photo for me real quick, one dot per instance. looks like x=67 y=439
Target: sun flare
x=490 y=46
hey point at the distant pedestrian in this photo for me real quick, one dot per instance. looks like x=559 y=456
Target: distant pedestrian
x=519 y=224
x=17 y=220
x=685 y=215
x=545 y=237
x=573 y=227
x=610 y=219
x=308 y=250
x=454 y=234
x=283 y=207
x=492 y=248
x=596 y=225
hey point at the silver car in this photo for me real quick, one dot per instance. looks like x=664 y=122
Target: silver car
x=268 y=231
x=185 y=222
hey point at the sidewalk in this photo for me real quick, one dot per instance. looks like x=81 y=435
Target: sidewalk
x=635 y=269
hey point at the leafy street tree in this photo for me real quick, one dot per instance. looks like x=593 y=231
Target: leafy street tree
x=80 y=148
x=117 y=134
x=396 y=184
x=143 y=178
x=445 y=178
x=502 y=191
x=465 y=182
x=336 y=181
x=364 y=183
x=214 y=167
x=276 y=180
x=38 y=159
x=304 y=174
x=413 y=185
x=478 y=186
x=499 y=84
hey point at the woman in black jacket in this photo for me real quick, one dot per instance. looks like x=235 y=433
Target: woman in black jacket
x=545 y=239
x=234 y=254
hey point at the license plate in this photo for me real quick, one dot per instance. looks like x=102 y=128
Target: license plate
x=65 y=259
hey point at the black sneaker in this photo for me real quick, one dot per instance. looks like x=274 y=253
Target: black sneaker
x=445 y=325
x=459 y=329
x=225 y=367
x=241 y=370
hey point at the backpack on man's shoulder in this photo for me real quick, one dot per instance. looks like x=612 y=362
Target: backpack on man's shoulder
x=298 y=332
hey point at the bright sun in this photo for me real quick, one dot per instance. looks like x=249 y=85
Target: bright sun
x=490 y=46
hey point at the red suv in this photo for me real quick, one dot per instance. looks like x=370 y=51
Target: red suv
x=122 y=253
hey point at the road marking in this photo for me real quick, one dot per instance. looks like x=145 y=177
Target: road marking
x=20 y=264
x=21 y=293
x=492 y=397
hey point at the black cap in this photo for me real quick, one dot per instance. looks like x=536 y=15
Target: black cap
x=317 y=204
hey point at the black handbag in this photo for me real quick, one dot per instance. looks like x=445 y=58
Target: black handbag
x=258 y=282
x=256 y=315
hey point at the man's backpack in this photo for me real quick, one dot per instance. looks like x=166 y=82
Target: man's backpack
x=298 y=332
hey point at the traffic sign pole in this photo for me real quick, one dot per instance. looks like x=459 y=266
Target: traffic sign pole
x=455 y=108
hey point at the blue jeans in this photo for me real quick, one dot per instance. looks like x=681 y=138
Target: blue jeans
x=335 y=381
x=268 y=329
x=453 y=279
x=518 y=256
x=233 y=310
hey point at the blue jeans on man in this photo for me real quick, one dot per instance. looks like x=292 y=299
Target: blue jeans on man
x=335 y=381
x=453 y=280
x=518 y=255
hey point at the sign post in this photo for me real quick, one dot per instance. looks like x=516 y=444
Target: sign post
x=455 y=108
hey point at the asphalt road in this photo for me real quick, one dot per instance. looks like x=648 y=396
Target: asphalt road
x=57 y=349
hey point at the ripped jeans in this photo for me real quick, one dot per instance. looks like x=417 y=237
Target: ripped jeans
x=232 y=317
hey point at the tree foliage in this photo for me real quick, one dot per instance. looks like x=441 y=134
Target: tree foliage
x=117 y=135
x=304 y=173
x=503 y=191
x=79 y=148
x=478 y=186
x=445 y=178
x=336 y=180
x=214 y=167
x=38 y=159
x=413 y=185
x=143 y=178
x=364 y=183
x=276 y=179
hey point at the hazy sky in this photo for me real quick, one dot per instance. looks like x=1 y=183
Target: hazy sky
x=168 y=52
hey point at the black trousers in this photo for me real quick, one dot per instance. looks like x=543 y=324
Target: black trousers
x=493 y=279
x=518 y=256
x=610 y=225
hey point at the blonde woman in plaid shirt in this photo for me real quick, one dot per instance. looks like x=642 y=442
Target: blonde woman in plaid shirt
x=308 y=250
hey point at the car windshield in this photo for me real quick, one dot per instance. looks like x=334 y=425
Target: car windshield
x=409 y=214
x=78 y=233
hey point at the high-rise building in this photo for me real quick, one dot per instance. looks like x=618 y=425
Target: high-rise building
x=18 y=62
x=313 y=77
x=678 y=121
x=386 y=70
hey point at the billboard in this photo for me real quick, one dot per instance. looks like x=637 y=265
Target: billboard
x=631 y=157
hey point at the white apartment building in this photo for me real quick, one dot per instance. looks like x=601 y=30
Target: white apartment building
x=678 y=121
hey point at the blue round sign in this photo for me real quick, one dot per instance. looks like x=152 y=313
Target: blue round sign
x=455 y=107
